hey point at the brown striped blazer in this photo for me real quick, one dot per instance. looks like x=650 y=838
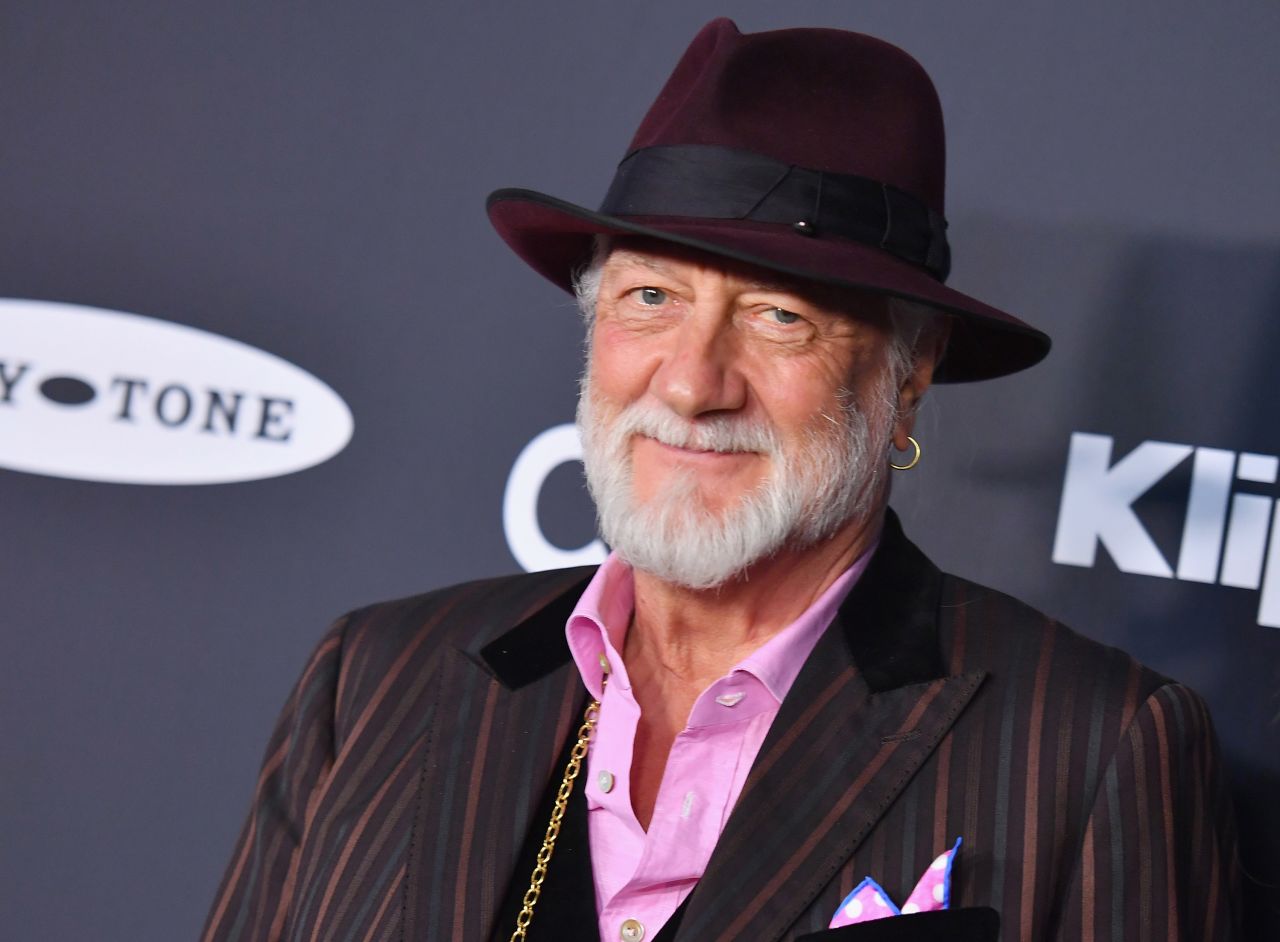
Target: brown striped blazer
x=411 y=757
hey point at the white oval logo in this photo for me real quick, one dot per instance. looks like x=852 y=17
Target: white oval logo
x=106 y=396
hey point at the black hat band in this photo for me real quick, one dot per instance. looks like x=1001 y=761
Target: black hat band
x=712 y=182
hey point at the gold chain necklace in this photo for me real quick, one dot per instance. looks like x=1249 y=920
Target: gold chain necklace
x=576 y=755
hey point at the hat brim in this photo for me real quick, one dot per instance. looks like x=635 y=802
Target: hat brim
x=554 y=237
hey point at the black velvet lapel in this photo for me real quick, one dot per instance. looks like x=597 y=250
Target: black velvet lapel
x=535 y=647
x=901 y=589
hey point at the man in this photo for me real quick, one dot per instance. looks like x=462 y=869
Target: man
x=779 y=695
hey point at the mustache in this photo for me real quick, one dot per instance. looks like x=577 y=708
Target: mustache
x=719 y=433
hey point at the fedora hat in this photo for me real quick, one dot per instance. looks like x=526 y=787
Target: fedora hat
x=816 y=153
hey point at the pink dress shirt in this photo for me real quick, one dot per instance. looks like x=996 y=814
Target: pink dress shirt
x=641 y=877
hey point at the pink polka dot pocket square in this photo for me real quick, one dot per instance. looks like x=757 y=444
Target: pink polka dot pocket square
x=869 y=901
x=925 y=915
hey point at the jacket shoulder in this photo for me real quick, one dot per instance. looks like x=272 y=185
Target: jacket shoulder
x=468 y=613
x=982 y=627
x=406 y=637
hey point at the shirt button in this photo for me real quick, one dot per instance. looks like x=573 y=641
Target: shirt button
x=604 y=778
x=632 y=931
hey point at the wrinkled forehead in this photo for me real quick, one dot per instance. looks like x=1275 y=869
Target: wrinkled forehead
x=670 y=260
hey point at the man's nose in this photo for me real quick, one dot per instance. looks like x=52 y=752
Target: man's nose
x=699 y=373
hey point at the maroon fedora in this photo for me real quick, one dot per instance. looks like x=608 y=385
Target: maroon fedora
x=818 y=153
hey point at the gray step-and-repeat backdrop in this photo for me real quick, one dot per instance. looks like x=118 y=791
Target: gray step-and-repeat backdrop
x=262 y=360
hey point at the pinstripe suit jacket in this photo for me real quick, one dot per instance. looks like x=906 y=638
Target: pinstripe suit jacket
x=408 y=763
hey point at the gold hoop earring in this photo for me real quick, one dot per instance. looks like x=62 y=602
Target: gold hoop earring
x=915 y=459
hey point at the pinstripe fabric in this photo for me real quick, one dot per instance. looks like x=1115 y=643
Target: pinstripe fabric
x=1087 y=789
x=387 y=783
x=402 y=778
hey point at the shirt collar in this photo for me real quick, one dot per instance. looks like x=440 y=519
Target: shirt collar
x=598 y=628
x=598 y=625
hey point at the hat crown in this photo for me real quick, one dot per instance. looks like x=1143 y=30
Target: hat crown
x=815 y=153
x=824 y=99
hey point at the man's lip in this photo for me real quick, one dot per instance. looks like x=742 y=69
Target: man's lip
x=696 y=452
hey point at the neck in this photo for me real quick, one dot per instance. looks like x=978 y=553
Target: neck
x=694 y=636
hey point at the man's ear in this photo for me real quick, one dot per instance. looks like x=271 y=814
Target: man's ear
x=930 y=345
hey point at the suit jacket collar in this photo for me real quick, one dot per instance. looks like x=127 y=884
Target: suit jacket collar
x=890 y=619
x=536 y=646
x=899 y=590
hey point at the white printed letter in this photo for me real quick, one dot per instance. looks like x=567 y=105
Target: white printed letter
x=539 y=458
x=1097 y=498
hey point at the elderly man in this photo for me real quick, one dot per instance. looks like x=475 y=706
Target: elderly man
x=791 y=722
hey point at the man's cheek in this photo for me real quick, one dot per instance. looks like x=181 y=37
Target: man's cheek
x=646 y=475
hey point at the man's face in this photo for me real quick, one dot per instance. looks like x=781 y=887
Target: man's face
x=726 y=415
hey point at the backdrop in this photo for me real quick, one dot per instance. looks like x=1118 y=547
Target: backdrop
x=326 y=371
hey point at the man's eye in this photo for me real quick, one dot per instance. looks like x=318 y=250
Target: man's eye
x=781 y=316
x=650 y=297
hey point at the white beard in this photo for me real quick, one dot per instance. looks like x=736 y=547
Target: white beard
x=833 y=476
